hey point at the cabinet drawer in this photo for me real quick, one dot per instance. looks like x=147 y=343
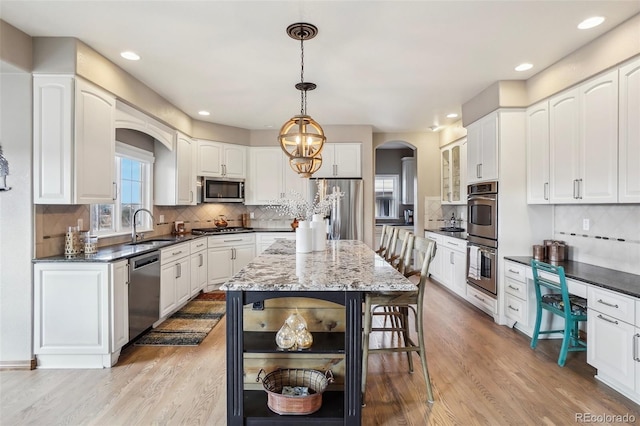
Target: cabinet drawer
x=454 y=244
x=515 y=271
x=613 y=304
x=174 y=252
x=435 y=237
x=231 y=240
x=198 y=245
x=516 y=288
x=515 y=308
x=481 y=300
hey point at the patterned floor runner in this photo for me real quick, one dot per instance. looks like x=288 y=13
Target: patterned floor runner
x=188 y=326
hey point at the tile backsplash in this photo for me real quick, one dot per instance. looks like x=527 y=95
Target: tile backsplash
x=437 y=215
x=613 y=237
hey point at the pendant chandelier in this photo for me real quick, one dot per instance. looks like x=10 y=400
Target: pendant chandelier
x=302 y=138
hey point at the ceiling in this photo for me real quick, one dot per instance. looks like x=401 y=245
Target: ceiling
x=399 y=66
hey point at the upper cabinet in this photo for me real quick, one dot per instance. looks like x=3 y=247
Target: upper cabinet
x=174 y=177
x=482 y=149
x=341 y=160
x=217 y=159
x=629 y=133
x=74 y=142
x=453 y=158
x=408 y=179
x=583 y=139
x=538 y=153
x=270 y=177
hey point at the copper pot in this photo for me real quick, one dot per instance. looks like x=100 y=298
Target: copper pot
x=220 y=221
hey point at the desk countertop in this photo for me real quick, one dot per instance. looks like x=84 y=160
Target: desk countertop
x=345 y=265
x=621 y=282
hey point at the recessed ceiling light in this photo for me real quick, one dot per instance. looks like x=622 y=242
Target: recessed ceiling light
x=132 y=56
x=204 y=113
x=452 y=115
x=594 y=21
x=524 y=67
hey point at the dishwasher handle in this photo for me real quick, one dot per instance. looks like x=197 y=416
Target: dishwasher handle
x=144 y=261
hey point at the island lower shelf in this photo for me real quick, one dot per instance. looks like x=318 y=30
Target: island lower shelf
x=257 y=412
x=323 y=343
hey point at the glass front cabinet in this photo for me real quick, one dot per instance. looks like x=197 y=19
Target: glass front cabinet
x=453 y=159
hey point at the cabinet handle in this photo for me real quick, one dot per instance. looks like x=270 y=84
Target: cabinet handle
x=478 y=297
x=451 y=258
x=201 y=260
x=512 y=308
x=115 y=190
x=611 y=305
x=546 y=190
x=128 y=274
x=233 y=253
x=478 y=170
x=608 y=320
x=175 y=253
x=514 y=272
x=575 y=189
x=232 y=241
x=514 y=288
x=580 y=190
x=178 y=270
x=191 y=196
x=635 y=347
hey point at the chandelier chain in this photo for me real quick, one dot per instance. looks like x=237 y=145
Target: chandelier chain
x=303 y=93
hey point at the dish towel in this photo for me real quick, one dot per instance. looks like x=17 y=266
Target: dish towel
x=474 y=263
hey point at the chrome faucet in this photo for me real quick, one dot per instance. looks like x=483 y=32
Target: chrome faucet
x=134 y=234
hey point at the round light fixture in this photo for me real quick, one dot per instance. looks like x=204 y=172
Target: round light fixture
x=594 y=21
x=524 y=67
x=132 y=56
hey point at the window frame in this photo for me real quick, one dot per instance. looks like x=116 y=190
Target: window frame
x=123 y=150
x=395 y=213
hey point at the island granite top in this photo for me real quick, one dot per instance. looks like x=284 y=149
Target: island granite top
x=621 y=282
x=345 y=265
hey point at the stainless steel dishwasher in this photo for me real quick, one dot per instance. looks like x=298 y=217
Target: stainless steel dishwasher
x=144 y=292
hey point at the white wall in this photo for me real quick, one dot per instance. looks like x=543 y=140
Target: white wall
x=16 y=227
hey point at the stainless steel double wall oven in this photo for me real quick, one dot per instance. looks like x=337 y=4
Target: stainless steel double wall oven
x=482 y=231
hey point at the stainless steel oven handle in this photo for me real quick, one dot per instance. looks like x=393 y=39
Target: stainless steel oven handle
x=481 y=197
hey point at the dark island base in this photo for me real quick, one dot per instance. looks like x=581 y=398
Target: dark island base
x=330 y=413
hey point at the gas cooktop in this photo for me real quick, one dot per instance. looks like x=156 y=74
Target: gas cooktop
x=213 y=231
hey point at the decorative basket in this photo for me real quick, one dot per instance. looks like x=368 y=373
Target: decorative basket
x=281 y=404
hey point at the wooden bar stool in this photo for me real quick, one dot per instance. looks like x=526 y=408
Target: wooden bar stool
x=559 y=302
x=392 y=243
x=383 y=240
x=400 y=304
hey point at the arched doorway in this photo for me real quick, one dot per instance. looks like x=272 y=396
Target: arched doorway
x=395 y=186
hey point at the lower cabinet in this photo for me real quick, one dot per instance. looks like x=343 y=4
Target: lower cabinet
x=450 y=263
x=80 y=313
x=226 y=255
x=613 y=333
x=175 y=278
x=481 y=300
x=517 y=296
x=198 y=266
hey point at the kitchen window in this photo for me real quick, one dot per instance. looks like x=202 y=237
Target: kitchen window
x=387 y=196
x=134 y=169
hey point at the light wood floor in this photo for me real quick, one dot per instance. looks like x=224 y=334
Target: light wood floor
x=483 y=374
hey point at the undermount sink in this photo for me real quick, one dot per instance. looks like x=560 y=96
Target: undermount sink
x=452 y=229
x=154 y=241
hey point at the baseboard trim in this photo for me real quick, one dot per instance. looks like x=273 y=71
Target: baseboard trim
x=18 y=365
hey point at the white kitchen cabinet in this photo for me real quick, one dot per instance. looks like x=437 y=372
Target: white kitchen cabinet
x=482 y=149
x=270 y=177
x=74 y=142
x=583 y=135
x=538 y=153
x=481 y=301
x=408 y=179
x=341 y=160
x=266 y=239
x=629 y=133
x=128 y=117
x=119 y=304
x=175 y=278
x=80 y=314
x=519 y=304
x=450 y=263
x=218 y=159
x=174 y=176
x=198 y=257
x=227 y=254
x=613 y=332
x=453 y=159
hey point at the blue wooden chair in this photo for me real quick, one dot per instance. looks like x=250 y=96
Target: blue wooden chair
x=559 y=302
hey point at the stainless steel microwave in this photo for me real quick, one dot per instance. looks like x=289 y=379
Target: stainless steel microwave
x=216 y=190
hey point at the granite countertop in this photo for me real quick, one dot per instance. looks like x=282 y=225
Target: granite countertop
x=345 y=265
x=122 y=251
x=621 y=282
x=459 y=235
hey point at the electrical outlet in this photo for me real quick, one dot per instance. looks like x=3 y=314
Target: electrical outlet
x=585 y=224
x=161 y=218
x=251 y=215
x=80 y=224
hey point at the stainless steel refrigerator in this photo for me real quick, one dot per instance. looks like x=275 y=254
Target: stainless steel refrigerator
x=346 y=217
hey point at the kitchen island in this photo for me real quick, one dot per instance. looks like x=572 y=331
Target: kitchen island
x=341 y=274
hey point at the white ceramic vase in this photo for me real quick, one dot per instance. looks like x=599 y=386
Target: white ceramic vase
x=319 y=229
x=304 y=237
